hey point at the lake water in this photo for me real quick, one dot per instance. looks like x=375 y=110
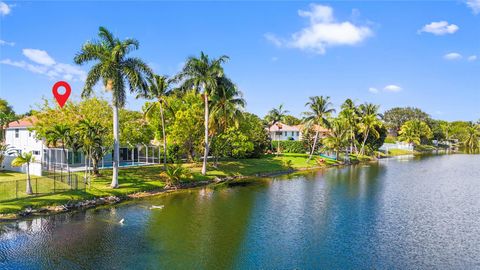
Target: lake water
x=408 y=213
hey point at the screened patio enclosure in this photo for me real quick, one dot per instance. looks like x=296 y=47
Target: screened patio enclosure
x=56 y=158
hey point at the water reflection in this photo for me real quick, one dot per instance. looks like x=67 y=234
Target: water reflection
x=398 y=213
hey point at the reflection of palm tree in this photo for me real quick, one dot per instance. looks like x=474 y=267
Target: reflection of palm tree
x=274 y=116
x=116 y=70
x=202 y=75
x=159 y=88
x=320 y=110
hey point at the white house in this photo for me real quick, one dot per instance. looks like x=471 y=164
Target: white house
x=20 y=139
x=283 y=132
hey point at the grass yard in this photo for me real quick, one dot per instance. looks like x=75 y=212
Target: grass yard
x=144 y=178
x=399 y=152
x=9 y=175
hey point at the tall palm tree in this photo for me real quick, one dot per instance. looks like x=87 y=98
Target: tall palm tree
x=350 y=113
x=159 y=88
x=368 y=123
x=116 y=70
x=472 y=141
x=274 y=116
x=202 y=74
x=25 y=159
x=320 y=109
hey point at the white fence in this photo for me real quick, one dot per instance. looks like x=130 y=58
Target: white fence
x=35 y=168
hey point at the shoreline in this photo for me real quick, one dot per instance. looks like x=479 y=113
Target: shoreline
x=80 y=205
x=113 y=200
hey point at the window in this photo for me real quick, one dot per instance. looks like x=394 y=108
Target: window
x=298 y=133
x=285 y=133
x=293 y=133
x=36 y=152
x=17 y=132
x=29 y=134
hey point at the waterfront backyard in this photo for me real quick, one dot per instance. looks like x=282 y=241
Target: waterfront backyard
x=148 y=178
x=406 y=212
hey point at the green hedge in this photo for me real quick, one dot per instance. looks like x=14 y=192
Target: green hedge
x=289 y=147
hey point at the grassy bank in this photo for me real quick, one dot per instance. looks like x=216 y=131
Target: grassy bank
x=137 y=179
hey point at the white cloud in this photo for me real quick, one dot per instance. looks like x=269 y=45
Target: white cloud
x=39 y=56
x=373 y=90
x=472 y=58
x=452 y=56
x=323 y=31
x=46 y=65
x=439 y=28
x=3 y=42
x=5 y=9
x=392 y=88
x=474 y=5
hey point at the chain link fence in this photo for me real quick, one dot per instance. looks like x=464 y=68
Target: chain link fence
x=50 y=184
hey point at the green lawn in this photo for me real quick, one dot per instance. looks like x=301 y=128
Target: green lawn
x=9 y=175
x=137 y=179
x=399 y=152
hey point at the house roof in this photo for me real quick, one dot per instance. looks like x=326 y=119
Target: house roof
x=283 y=127
x=23 y=123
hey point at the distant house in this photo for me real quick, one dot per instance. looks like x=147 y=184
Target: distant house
x=283 y=132
x=20 y=139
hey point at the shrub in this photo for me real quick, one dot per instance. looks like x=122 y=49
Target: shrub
x=176 y=173
x=289 y=147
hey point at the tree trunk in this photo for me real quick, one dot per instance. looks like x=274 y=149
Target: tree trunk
x=205 y=155
x=164 y=138
x=314 y=145
x=116 y=147
x=29 y=184
x=362 y=150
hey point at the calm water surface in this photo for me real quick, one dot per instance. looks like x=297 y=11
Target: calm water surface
x=414 y=213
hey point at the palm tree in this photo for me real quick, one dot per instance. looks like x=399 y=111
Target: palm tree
x=413 y=131
x=22 y=159
x=337 y=138
x=91 y=141
x=202 y=75
x=472 y=141
x=368 y=123
x=274 y=116
x=116 y=70
x=350 y=113
x=227 y=105
x=59 y=133
x=320 y=110
x=159 y=88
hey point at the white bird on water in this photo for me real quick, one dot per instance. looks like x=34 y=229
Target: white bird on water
x=121 y=221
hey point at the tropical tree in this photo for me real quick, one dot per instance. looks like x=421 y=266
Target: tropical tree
x=202 y=74
x=368 y=123
x=60 y=133
x=414 y=132
x=7 y=115
x=396 y=117
x=159 y=88
x=350 y=114
x=274 y=116
x=226 y=105
x=25 y=159
x=116 y=70
x=337 y=138
x=472 y=141
x=320 y=109
x=91 y=140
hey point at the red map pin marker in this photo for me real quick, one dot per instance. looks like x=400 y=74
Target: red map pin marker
x=61 y=99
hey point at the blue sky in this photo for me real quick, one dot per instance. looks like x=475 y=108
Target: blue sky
x=423 y=54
